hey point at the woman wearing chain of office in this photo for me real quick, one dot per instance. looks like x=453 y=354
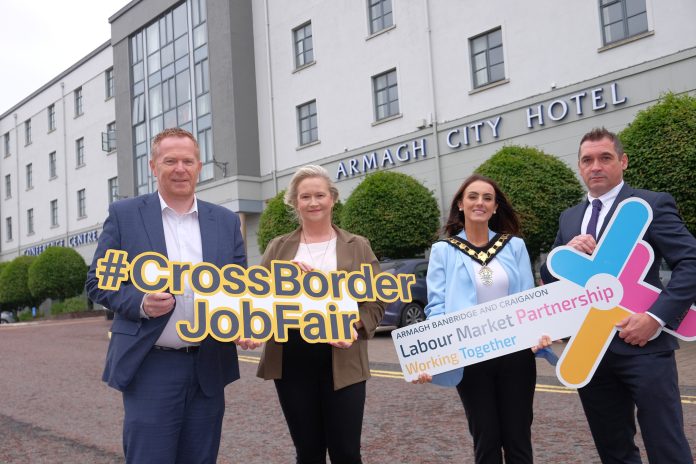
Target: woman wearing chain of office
x=321 y=386
x=480 y=260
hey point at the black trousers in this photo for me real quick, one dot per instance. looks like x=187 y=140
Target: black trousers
x=498 y=397
x=650 y=383
x=319 y=418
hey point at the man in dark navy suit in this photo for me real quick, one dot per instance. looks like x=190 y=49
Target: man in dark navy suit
x=173 y=390
x=637 y=371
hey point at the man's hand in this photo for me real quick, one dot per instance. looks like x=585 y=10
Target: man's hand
x=638 y=329
x=248 y=343
x=584 y=243
x=158 y=304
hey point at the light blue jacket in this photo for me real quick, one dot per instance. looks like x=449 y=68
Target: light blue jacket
x=452 y=284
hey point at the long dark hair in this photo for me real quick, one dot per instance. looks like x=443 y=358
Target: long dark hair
x=505 y=221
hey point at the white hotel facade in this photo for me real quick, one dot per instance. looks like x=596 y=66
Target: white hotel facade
x=431 y=88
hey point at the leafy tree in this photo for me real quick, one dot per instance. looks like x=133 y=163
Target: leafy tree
x=395 y=212
x=279 y=218
x=539 y=187
x=661 y=148
x=14 y=289
x=57 y=273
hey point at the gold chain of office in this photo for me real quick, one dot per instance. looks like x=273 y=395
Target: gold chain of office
x=481 y=255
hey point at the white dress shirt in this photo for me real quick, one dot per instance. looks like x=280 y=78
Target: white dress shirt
x=182 y=235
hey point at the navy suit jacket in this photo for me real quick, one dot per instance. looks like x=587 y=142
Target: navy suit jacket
x=669 y=239
x=135 y=226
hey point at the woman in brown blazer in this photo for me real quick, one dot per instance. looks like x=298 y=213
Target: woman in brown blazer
x=321 y=386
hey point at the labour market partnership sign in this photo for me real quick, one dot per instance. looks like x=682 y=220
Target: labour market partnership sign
x=593 y=293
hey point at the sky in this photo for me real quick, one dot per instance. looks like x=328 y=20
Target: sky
x=40 y=39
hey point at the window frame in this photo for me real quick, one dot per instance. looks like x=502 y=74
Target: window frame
x=379 y=19
x=79 y=152
x=310 y=117
x=81 y=203
x=304 y=53
x=487 y=51
x=29 y=172
x=52 y=165
x=109 y=83
x=8 y=228
x=53 y=209
x=8 y=186
x=51 y=117
x=30 y=221
x=79 y=102
x=377 y=91
x=27 y=132
x=112 y=186
x=606 y=4
x=6 y=144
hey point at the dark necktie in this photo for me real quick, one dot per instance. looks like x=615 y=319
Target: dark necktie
x=594 y=217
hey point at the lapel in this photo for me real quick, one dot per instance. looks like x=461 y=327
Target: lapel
x=151 y=215
x=209 y=232
x=344 y=257
x=575 y=218
x=624 y=193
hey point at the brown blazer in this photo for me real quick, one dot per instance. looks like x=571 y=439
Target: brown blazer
x=349 y=366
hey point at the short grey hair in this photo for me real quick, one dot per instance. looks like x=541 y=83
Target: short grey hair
x=305 y=172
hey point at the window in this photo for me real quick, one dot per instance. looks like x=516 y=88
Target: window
x=8 y=186
x=487 y=63
x=27 y=132
x=52 y=165
x=386 y=95
x=113 y=189
x=381 y=17
x=7 y=143
x=54 y=213
x=109 y=138
x=51 y=118
x=307 y=122
x=81 y=209
x=170 y=83
x=30 y=221
x=8 y=228
x=30 y=176
x=109 y=83
x=78 y=101
x=622 y=19
x=304 y=49
x=80 y=152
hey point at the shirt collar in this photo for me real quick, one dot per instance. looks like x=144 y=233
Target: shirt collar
x=165 y=207
x=608 y=197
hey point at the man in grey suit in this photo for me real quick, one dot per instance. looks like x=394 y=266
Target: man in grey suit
x=637 y=371
x=173 y=390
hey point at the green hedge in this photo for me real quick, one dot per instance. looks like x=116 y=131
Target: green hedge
x=661 y=148
x=395 y=212
x=57 y=273
x=75 y=304
x=14 y=291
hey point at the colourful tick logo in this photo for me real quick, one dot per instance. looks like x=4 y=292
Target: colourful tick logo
x=621 y=259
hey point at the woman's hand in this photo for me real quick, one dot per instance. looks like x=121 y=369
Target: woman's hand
x=344 y=345
x=423 y=377
x=544 y=342
x=304 y=267
x=248 y=343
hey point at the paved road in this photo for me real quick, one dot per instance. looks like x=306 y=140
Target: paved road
x=54 y=409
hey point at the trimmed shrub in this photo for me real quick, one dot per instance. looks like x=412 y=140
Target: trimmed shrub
x=278 y=219
x=539 y=186
x=14 y=290
x=75 y=304
x=57 y=273
x=661 y=148
x=395 y=212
